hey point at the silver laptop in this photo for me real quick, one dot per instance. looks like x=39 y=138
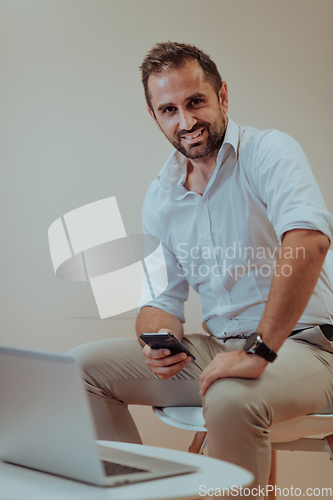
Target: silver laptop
x=46 y=424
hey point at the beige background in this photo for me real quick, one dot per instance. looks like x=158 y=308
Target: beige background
x=74 y=130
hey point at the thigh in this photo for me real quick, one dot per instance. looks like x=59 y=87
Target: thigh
x=116 y=368
x=299 y=382
x=205 y=347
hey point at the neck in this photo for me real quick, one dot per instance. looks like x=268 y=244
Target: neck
x=203 y=166
x=199 y=173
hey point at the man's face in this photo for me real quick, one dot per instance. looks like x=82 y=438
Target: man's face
x=188 y=110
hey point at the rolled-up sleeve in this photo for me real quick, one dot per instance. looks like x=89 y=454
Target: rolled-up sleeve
x=288 y=188
x=175 y=294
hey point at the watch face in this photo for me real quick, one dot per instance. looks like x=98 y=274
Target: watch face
x=251 y=341
x=255 y=345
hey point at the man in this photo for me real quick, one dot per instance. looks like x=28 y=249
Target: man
x=241 y=220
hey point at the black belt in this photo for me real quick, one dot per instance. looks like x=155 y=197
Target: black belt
x=326 y=329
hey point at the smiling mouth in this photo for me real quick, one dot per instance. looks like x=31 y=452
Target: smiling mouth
x=191 y=138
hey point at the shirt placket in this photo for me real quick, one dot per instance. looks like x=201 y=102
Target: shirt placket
x=207 y=242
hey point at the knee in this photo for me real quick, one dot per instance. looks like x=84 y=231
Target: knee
x=85 y=354
x=104 y=354
x=232 y=404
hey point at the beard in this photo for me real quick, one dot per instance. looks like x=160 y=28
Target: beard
x=201 y=149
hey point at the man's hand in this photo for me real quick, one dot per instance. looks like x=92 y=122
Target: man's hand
x=235 y=364
x=161 y=363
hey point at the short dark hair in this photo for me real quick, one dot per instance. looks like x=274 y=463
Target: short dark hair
x=168 y=55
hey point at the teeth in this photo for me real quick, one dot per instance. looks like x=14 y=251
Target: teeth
x=194 y=135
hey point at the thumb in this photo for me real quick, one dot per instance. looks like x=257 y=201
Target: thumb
x=165 y=330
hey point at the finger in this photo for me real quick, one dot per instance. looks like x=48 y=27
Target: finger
x=203 y=388
x=205 y=373
x=206 y=382
x=165 y=330
x=169 y=371
x=155 y=353
x=167 y=360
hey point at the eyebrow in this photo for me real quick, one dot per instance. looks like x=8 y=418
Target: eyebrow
x=190 y=98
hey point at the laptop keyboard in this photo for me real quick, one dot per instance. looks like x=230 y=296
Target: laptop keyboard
x=114 y=469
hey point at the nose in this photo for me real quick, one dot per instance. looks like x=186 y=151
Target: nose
x=186 y=120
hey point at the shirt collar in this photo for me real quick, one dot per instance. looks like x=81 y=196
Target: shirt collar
x=172 y=176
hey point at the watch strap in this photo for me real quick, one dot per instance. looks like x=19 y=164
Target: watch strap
x=255 y=345
x=265 y=352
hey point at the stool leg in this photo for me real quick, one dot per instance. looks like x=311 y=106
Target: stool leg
x=198 y=442
x=329 y=440
x=272 y=476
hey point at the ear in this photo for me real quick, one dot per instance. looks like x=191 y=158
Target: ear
x=223 y=94
x=152 y=114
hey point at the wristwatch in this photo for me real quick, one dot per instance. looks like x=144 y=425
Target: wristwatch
x=255 y=345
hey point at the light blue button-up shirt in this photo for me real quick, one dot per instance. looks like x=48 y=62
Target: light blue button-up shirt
x=225 y=243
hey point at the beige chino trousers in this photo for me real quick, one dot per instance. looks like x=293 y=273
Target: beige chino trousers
x=238 y=412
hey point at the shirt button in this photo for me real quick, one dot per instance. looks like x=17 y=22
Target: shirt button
x=201 y=204
x=205 y=237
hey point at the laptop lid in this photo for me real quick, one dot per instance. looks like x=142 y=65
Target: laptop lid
x=46 y=422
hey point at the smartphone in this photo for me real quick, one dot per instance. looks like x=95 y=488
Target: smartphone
x=165 y=340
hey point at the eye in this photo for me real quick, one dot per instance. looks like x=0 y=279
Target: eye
x=195 y=102
x=169 y=110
